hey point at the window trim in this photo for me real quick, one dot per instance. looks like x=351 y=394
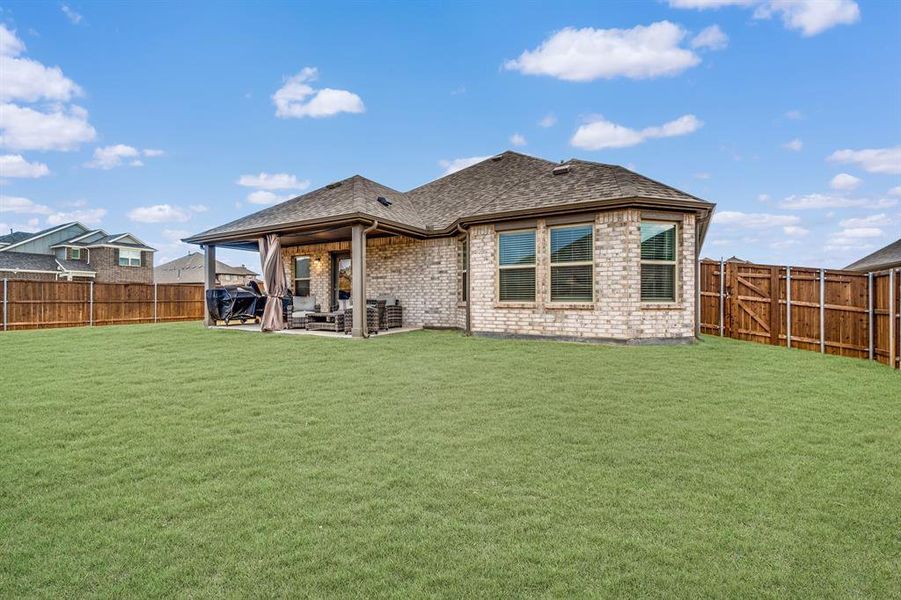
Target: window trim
x=73 y=252
x=677 y=288
x=307 y=279
x=579 y=263
x=497 y=271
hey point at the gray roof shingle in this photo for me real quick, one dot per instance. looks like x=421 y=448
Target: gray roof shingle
x=15 y=237
x=189 y=269
x=884 y=258
x=26 y=261
x=504 y=183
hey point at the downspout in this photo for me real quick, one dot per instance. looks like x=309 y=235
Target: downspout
x=375 y=224
x=468 y=323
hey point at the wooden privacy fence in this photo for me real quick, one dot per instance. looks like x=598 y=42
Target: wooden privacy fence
x=824 y=310
x=44 y=304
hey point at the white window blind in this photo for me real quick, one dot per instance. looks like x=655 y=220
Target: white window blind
x=129 y=257
x=658 y=262
x=572 y=265
x=516 y=266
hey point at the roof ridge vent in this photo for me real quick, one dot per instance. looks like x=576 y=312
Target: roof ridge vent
x=562 y=169
x=332 y=186
x=383 y=201
x=497 y=157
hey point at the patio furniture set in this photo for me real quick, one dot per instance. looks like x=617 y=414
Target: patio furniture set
x=305 y=313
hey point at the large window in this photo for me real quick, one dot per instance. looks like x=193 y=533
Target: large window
x=301 y=275
x=462 y=264
x=129 y=257
x=658 y=262
x=516 y=266
x=572 y=266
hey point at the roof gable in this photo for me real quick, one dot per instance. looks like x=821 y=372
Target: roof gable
x=883 y=258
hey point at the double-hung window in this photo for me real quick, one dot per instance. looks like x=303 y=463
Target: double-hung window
x=129 y=257
x=572 y=267
x=516 y=266
x=75 y=253
x=301 y=275
x=658 y=261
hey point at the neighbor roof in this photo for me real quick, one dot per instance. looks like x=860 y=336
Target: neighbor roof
x=14 y=237
x=501 y=185
x=884 y=258
x=189 y=269
x=46 y=263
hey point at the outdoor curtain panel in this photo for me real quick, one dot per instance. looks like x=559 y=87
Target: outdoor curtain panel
x=275 y=281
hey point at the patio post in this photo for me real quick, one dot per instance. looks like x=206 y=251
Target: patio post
x=358 y=276
x=209 y=279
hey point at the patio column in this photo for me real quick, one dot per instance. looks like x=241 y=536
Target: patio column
x=209 y=279
x=358 y=277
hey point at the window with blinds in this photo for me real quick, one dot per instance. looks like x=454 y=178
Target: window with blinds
x=301 y=275
x=516 y=266
x=572 y=267
x=658 y=262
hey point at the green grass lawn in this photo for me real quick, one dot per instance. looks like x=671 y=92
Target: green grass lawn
x=165 y=460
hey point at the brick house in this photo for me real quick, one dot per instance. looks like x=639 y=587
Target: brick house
x=74 y=252
x=188 y=269
x=513 y=246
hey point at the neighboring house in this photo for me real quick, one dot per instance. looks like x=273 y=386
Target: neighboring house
x=74 y=252
x=888 y=257
x=511 y=246
x=189 y=269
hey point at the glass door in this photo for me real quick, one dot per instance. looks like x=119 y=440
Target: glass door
x=341 y=278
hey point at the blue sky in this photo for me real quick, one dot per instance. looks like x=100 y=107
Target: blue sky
x=167 y=119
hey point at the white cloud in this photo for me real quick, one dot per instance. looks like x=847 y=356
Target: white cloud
x=10 y=44
x=198 y=208
x=868 y=221
x=795 y=231
x=895 y=191
x=794 y=115
x=601 y=133
x=109 y=157
x=861 y=232
x=794 y=145
x=820 y=201
x=297 y=99
x=15 y=165
x=548 y=120
x=518 y=139
x=744 y=220
x=587 y=54
x=88 y=216
x=159 y=213
x=266 y=197
x=702 y=176
x=22 y=206
x=810 y=17
x=274 y=181
x=765 y=198
x=844 y=182
x=23 y=128
x=73 y=16
x=452 y=166
x=172 y=247
x=873 y=160
x=28 y=80
x=712 y=38
x=152 y=153
x=31 y=225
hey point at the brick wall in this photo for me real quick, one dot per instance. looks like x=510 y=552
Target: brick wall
x=105 y=262
x=424 y=275
x=617 y=312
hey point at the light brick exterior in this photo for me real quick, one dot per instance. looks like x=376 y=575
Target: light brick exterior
x=424 y=275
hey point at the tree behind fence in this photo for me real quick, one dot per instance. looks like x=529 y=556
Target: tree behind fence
x=824 y=310
x=45 y=304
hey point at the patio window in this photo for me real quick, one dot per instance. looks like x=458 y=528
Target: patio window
x=301 y=275
x=129 y=257
x=462 y=261
x=516 y=266
x=572 y=266
x=658 y=262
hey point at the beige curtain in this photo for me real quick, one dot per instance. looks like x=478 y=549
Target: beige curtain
x=275 y=282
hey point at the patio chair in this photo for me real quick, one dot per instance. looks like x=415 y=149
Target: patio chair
x=301 y=308
x=394 y=313
x=373 y=322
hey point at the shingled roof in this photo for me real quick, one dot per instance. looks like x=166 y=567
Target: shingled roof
x=44 y=263
x=884 y=258
x=189 y=269
x=507 y=183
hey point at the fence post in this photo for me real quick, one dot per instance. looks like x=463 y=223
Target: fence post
x=788 y=307
x=892 y=334
x=722 y=294
x=5 y=303
x=822 y=311
x=91 y=304
x=870 y=315
x=154 y=302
